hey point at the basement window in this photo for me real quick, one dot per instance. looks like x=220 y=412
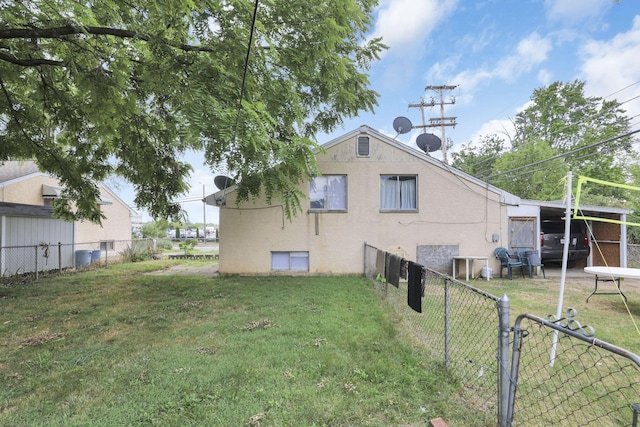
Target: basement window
x=290 y=261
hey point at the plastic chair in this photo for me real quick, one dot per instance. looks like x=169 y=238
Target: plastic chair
x=508 y=261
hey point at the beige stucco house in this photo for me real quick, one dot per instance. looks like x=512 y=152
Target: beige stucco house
x=21 y=182
x=375 y=190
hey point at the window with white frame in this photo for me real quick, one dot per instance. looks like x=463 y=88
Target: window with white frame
x=328 y=193
x=291 y=261
x=398 y=192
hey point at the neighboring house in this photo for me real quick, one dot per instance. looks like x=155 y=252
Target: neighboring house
x=21 y=182
x=22 y=227
x=373 y=189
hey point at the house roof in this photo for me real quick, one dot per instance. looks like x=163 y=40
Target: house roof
x=561 y=204
x=11 y=170
x=217 y=198
x=18 y=209
x=14 y=169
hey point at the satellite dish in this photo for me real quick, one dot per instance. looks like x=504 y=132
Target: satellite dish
x=402 y=125
x=222 y=182
x=428 y=142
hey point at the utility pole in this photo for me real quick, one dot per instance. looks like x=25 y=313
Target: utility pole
x=441 y=121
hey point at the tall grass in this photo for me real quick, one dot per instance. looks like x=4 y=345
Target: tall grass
x=119 y=347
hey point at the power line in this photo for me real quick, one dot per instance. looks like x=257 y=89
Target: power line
x=624 y=88
x=246 y=68
x=589 y=117
x=558 y=156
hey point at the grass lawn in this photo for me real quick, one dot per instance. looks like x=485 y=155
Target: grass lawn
x=116 y=347
x=613 y=320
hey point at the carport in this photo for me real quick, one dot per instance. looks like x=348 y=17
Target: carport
x=608 y=241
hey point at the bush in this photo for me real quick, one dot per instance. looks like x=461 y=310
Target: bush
x=138 y=251
x=188 y=245
x=164 y=244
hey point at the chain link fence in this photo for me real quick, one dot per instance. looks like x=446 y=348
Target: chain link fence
x=633 y=256
x=33 y=260
x=552 y=373
x=565 y=376
x=458 y=325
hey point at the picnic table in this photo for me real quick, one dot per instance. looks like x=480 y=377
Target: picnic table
x=611 y=274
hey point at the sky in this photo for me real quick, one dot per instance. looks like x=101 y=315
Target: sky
x=495 y=53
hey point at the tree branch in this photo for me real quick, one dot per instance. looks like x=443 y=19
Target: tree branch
x=28 y=62
x=59 y=32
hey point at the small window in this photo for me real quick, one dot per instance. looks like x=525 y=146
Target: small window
x=363 y=146
x=290 y=261
x=107 y=245
x=328 y=193
x=399 y=192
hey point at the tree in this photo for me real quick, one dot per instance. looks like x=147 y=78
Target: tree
x=538 y=183
x=478 y=159
x=157 y=229
x=90 y=90
x=561 y=130
x=569 y=122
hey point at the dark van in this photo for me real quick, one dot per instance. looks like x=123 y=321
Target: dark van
x=552 y=242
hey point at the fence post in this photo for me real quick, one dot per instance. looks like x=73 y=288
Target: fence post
x=60 y=257
x=504 y=369
x=447 y=322
x=36 y=262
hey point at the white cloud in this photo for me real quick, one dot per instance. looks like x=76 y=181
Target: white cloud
x=612 y=65
x=570 y=12
x=501 y=128
x=530 y=51
x=404 y=25
x=544 y=77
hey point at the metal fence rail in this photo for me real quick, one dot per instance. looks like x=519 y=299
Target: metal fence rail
x=564 y=376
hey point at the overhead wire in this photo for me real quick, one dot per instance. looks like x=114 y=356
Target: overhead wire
x=561 y=155
x=246 y=68
x=588 y=117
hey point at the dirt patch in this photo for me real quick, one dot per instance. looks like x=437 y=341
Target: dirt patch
x=41 y=338
x=210 y=269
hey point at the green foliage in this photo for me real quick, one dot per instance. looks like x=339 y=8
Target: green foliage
x=139 y=250
x=559 y=124
x=568 y=121
x=188 y=245
x=545 y=183
x=478 y=159
x=91 y=90
x=155 y=229
x=164 y=244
